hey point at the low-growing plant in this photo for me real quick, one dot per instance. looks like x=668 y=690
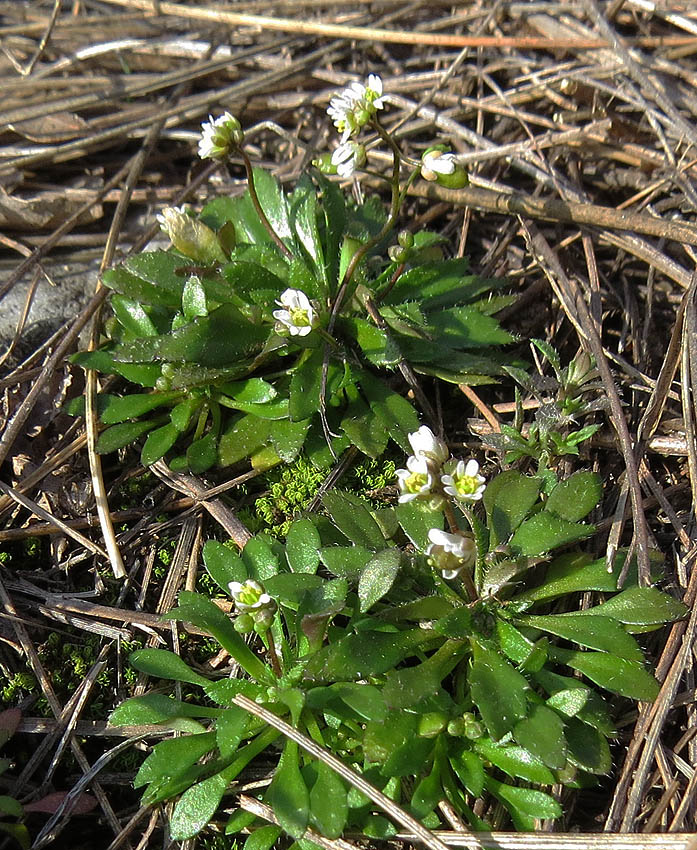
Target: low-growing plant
x=574 y=391
x=281 y=321
x=436 y=647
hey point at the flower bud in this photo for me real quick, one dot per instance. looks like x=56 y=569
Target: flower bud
x=405 y=238
x=431 y=724
x=438 y=165
x=324 y=163
x=244 y=624
x=191 y=237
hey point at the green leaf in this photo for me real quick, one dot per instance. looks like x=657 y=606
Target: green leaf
x=196 y=807
x=378 y=577
x=165 y=665
x=132 y=316
x=156 y=708
x=302 y=546
x=524 y=803
x=396 y=414
x=132 y=406
x=258 y=284
x=223 y=337
x=288 y=794
x=197 y=609
x=546 y=531
x=514 y=644
x=590 y=707
x=19 y=832
x=158 y=443
x=590 y=630
x=575 y=498
x=250 y=391
x=194 y=299
x=202 y=454
x=439 y=285
x=345 y=560
x=542 y=733
x=469 y=770
x=263 y=838
x=289 y=589
x=328 y=802
x=515 y=761
x=466 y=327
x=364 y=429
x=119 y=436
x=230 y=728
x=239 y=820
x=357 y=656
x=353 y=519
x=421 y=685
x=587 y=747
x=498 y=690
x=427 y=794
x=306 y=386
x=223 y=565
x=274 y=204
x=242 y=438
x=508 y=498
x=167 y=293
x=303 y=217
x=10 y=806
x=260 y=559
x=417 y=520
x=366 y=700
x=288 y=438
x=572 y=573
x=627 y=678
x=172 y=758
x=182 y=414
x=642 y=606
x=377 y=347
x=457 y=624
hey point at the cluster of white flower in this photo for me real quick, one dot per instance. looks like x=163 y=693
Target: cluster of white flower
x=431 y=471
x=352 y=108
x=430 y=476
x=219 y=136
x=298 y=315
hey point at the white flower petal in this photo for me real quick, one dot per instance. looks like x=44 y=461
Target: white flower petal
x=471 y=468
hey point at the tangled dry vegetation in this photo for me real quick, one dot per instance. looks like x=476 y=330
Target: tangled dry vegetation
x=578 y=124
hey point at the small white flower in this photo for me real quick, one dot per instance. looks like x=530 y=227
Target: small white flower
x=299 y=315
x=450 y=553
x=348 y=157
x=415 y=481
x=436 y=162
x=353 y=107
x=426 y=445
x=218 y=136
x=249 y=596
x=463 y=481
